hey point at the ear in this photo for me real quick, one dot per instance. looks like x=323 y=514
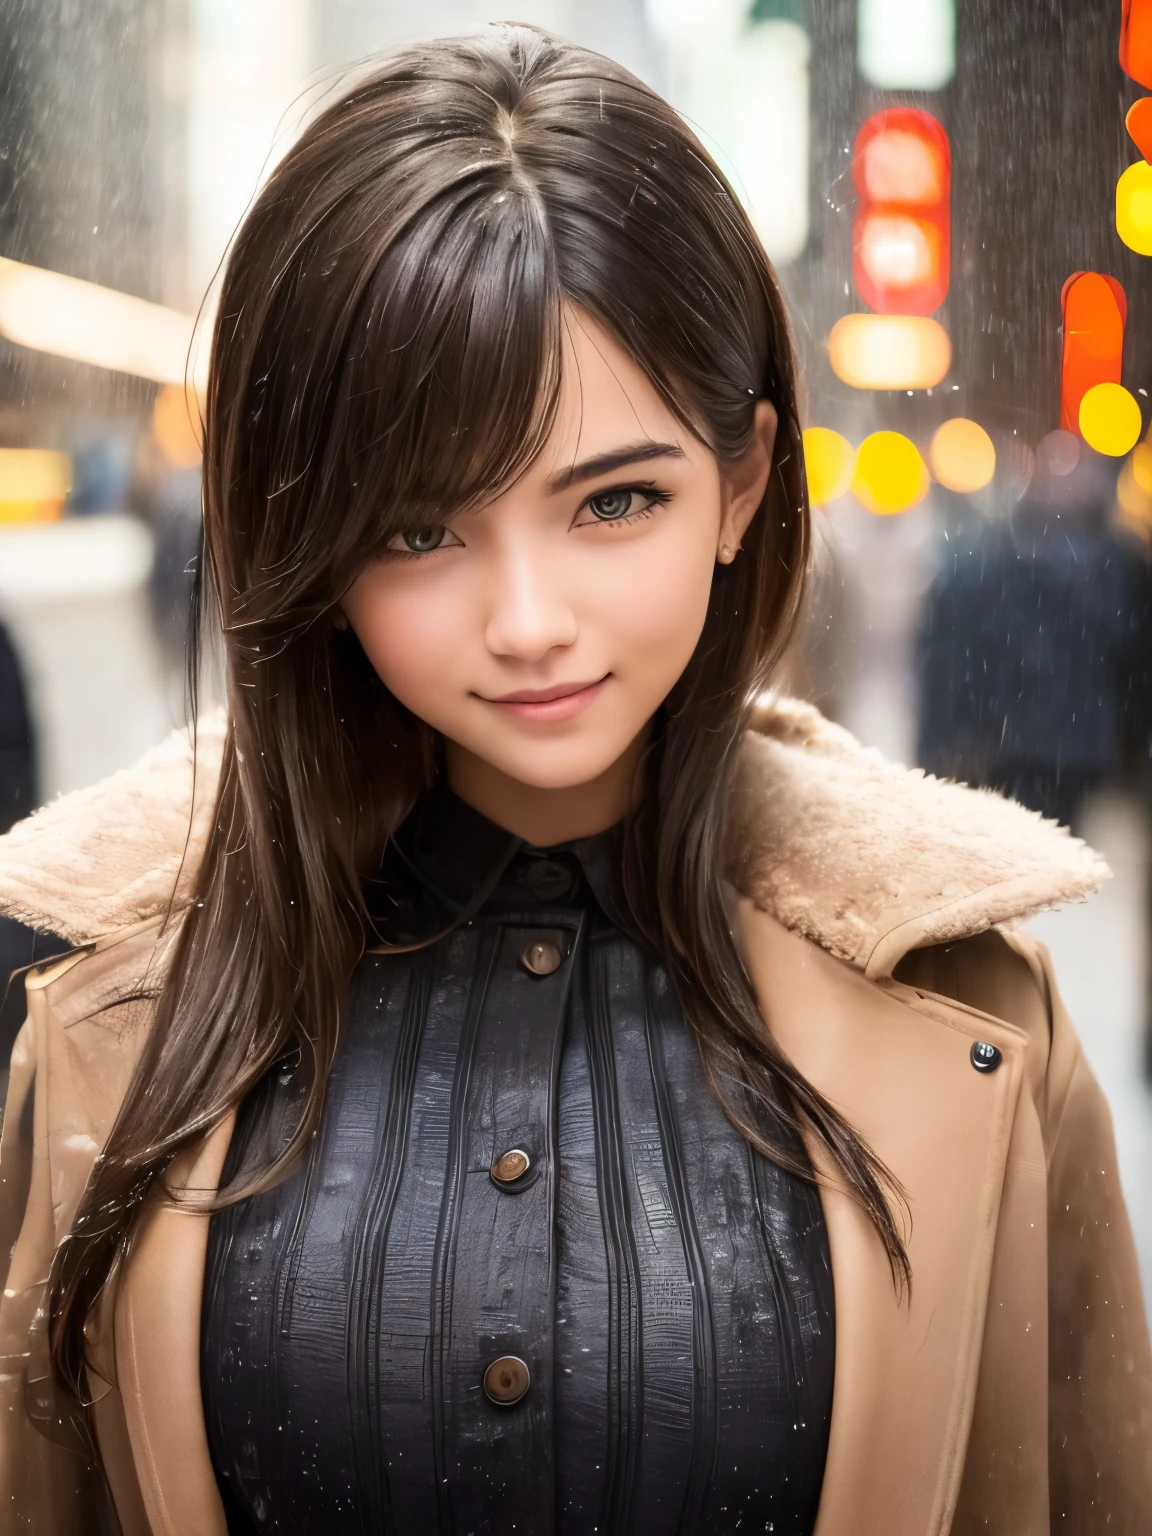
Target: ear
x=742 y=485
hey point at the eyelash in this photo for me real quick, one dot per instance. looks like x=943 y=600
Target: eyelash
x=655 y=498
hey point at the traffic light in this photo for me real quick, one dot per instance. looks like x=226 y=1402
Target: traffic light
x=902 y=171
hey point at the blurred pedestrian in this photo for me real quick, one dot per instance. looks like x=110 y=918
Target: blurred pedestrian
x=1026 y=641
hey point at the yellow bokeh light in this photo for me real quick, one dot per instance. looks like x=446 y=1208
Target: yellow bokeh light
x=1110 y=419
x=962 y=455
x=889 y=351
x=1142 y=462
x=34 y=483
x=1133 y=502
x=1134 y=207
x=890 y=474
x=829 y=460
x=175 y=425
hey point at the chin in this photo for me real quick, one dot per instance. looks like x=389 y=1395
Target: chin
x=563 y=766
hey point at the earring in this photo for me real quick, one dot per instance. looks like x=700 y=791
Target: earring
x=727 y=554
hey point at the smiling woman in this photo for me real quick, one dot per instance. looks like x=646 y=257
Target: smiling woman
x=517 y=1074
x=574 y=598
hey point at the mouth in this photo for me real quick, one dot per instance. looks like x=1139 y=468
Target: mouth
x=560 y=702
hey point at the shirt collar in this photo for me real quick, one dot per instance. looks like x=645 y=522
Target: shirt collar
x=458 y=857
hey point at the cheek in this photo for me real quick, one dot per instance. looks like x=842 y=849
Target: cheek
x=410 y=634
x=653 y=598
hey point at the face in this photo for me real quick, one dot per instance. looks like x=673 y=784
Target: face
x=539 y=634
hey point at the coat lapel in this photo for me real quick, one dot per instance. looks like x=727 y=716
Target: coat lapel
x=896 y=1064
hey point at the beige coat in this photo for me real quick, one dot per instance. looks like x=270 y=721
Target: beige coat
x=877 y=913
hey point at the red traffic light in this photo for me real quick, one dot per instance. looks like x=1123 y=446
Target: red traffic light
x=902 y=171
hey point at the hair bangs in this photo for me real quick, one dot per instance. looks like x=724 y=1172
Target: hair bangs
x=454 y=367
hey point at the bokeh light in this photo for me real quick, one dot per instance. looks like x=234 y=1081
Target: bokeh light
x=902 y=169
x=829 y=460
x=1110 y=419
x=1141 y=464
x=34 y=483
x=174 y=417
x=889 y=351
x=1094 y=309
x=1134 y=208
x=890 y=475
x=1136 y=41
x=1134 y=493
x=1139 y=125
x=1058 y=453
x=962 y=455
x=906 y=45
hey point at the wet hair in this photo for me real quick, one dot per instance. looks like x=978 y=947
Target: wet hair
x=387 y=348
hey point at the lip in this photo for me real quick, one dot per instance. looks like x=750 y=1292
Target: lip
x=563 y=701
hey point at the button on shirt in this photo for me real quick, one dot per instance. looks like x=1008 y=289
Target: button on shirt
x=528 y=1277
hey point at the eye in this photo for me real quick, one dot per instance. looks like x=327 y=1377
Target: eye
x=419 y=541
x=609 y=506
x=620 y=504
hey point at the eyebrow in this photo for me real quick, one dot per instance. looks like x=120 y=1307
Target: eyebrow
x=605 y=463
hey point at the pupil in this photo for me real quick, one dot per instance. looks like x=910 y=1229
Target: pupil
x=611 y=504
x=424 y=539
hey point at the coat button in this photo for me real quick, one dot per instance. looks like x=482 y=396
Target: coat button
x=512 y=1166
x=541 y=958
x=984 y=1056
x=507 y=1380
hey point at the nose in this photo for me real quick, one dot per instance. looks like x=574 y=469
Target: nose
x=528 y=613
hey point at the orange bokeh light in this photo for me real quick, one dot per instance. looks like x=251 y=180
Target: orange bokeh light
x=1139 y=125
x=1095 y=310
x=902 y=169
x=1136 y=41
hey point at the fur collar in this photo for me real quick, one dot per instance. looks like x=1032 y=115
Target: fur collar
x=864 y=857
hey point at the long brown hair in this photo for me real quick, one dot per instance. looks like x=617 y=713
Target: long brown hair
x=387 y=348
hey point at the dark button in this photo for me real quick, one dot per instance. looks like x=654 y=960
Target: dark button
x=507 y=1380
x=512 y=1166
x=984 y=1056
x=541 y=958
x=549 y=880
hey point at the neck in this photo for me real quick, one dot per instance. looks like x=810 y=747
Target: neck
x=544 y=817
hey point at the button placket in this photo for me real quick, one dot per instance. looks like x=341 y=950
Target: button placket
x=499 y=1346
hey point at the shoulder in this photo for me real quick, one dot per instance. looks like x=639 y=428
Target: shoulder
x=871 y=860
x=120 y=853
x=866 y=858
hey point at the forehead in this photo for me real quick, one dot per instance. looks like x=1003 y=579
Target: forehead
x=605 y=400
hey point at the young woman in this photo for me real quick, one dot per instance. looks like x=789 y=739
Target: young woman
x=518 y=1077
